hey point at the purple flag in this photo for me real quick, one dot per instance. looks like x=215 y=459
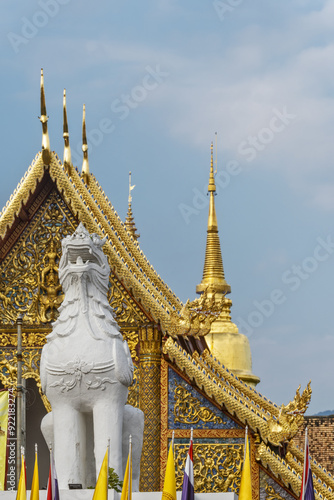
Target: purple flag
x=188 y=479
x=307 y=491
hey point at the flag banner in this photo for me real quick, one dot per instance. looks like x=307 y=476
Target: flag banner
x=307 y=490
x=169 y=491
x=53 y=489
x=34 y=493
x=245 y=491
x=127 y=483
x=188 y=478
x=21 y=493
x=3 y=436
x=101 y=488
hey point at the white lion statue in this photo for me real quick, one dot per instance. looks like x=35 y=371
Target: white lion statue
x=86 y=369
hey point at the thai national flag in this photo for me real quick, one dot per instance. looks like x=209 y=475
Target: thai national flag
x=188 y=479
x=53 y=490
x=307 y=491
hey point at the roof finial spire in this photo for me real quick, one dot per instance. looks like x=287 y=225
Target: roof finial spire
x=67 y=160
x=85 y=162
x=129 y=221
x=213 y=272
x=44 y=120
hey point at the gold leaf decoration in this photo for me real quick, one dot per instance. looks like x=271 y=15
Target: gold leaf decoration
x=217 y=467
x=188 y=410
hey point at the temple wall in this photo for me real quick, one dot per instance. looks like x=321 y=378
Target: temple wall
x=321 y=440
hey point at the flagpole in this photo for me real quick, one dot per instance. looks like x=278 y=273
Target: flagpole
x=19 y=396
x=130 y=468
x=305 y=463
x=246 y=437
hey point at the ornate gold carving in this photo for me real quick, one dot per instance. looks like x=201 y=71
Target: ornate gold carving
x=217 y=388
x=149 y=403
x=21 y=194
x=30 y=369
x=278 y=467
x=217 y=467
x=29 y=340
x=125 y=309
x=271 y=493
x=249 y=393
x=30 y=272
x=290 y=473
x=188 y=410
x=195 y=318
x=132 y=339
x=223 y=387
x=290 y=418
x=133 y=396
x=150 y=342
x=295 y=458
x=50 y=296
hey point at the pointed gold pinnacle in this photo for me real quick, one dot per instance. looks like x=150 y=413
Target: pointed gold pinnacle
x=85 y=163
x=67 y=160
x=44 y=120
x=213 y=272
x=129 y=221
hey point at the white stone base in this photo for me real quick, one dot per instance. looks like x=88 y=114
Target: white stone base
x=112 y=495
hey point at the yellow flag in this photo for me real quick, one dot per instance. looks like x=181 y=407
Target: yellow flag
x=34 y=493
x=169 y=491
x=21 y=489
x=245 y=491
x=3 y=436
x=101 y=488
x=127 y=483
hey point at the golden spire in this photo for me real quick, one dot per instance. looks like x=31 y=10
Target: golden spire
x=85 y=163
x=44 y=120
x=213 y=272
x=129 y=221
x=67 y=150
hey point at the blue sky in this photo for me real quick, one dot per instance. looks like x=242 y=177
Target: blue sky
x=159 y=78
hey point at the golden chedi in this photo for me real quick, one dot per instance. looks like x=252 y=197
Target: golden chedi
x=229 y=346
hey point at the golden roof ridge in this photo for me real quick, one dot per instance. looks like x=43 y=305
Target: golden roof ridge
x=21 y=193
x=131 y=243
x=229 y=397
x=289 y=474
x=216 y=388
x=250 y=392
x=158 y=304
x=271 y=427
x=297 y=455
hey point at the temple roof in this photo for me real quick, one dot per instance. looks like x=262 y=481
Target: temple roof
x=90 y=205
x=273 y=427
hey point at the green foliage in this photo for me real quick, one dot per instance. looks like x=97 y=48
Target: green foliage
x=114 y=481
